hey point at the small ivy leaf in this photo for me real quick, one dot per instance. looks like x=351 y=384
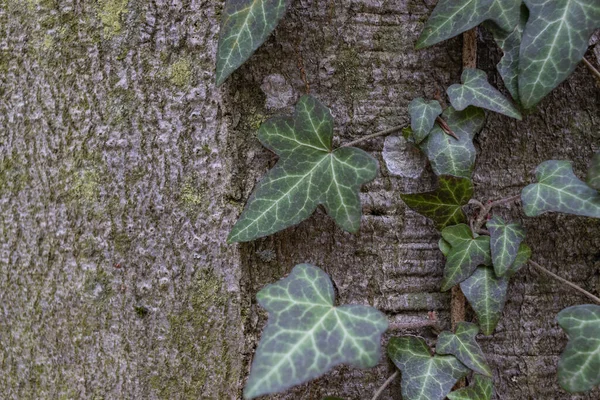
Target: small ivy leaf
x=559 y=190
x=458 y=234
x=246 y=25
x=486 y=294
x=451 y=18
x=307 y=174
x=593 y=173
x=447 y=155
x=464 y=259
x=443 y=205
x=422 y=117
x=476 y=91
x=554 y=41
x=523 y=255
x=505 y=242
x=463 y=346
x=480 y=389
x=444 y=247
x=510 y=42
x=306 y=335
x=579 y=364
x=424 y=377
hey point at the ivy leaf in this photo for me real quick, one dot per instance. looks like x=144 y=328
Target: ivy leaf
x=579 y=364
x=306 y=335
x=307 y=174
x=422 y=117
x=458 y=234
x=444 y=247
x=245 y=26
x=510 y=42
x=593 y=173
x=443 y=205
x=464 y=259
x=505 y=242
x=424 y=377
x=476 y=91
x=486 y=294
x=447 y=155
x=554 y=41
x=523 y=255
x=480 y=389
x=559 y=190
x=463 y=346
x=452 y=17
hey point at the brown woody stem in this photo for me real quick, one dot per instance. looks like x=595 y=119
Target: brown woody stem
x=385 y=384
x=562 y=280
x=374 y=135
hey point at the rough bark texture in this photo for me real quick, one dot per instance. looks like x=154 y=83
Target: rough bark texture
x=123 y=168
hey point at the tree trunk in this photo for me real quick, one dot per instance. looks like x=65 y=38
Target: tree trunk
x=123 y=169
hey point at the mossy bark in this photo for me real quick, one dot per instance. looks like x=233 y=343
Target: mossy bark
x=123 y=168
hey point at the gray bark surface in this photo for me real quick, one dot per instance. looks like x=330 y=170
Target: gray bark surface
x=122 y=169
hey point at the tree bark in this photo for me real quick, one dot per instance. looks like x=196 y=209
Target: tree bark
x=123 y=168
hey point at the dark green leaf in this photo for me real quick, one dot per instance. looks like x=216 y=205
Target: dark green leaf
x=593 y=174
x=480 y=389
x=579 y=365
x=447 y=155
x=443 y=205
x=464 y=258
x=505 y=242
x=245 y=26
x=422 y=117
x=307 y=174
x=486 y=294
x=523 y=255
x=463 y=346
x=476 y=91
x=306 y=335
x=559 y=190
x=452 y=17
x=424 y=377
x=458 y=234
x=555 y=38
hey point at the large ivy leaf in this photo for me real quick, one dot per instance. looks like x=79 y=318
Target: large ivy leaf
x=579 y=365
x=447 y=155
x=456 y=235
x=486 y=294
x=424 y=377
x=505 y=242
x=422 y=117
x=464 y=258
x=453 y=17
x=463 y=346
x=476 y=91
x=245 y=25
x=558 y=189
x=554 y=41
x=480 y=389
x=593 y=174
x=307 y=174
x=443 y=205
x=306 y=335
x=523 y=255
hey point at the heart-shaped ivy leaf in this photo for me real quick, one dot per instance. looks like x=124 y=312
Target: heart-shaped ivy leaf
x=245 y=25
x=480 y=389
x=464 y=258
x=476 y=91
x=306 y=335
x=447 y=155
x=452 y=17
x=579 y=365
x=559 y=190
x=505 y=242
x=486 y=294
x=422 y=117
x=523 y=255
x=424 y=377
x=463 y=346
x=554 y=41
x=307 y=174
x=593 y=174
x=443 y=205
